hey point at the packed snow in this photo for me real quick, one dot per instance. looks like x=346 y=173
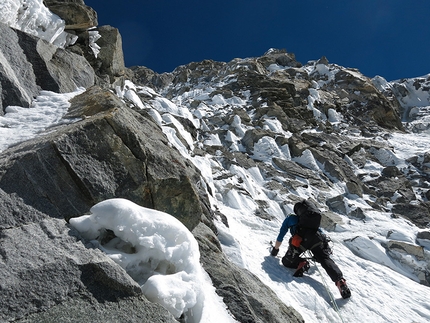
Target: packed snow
x=162 y=255
x=46 y=111
x=159 y=253
x=34 y=18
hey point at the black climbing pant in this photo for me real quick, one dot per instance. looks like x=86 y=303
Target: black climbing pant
x=314 y=243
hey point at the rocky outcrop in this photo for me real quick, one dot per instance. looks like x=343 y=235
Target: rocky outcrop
x=29 y=64
x=17 y=78
x=75 y=13
x=144 y=75
x=100 y=45
x=48 y=275
x=110 y=60
x=113 y=152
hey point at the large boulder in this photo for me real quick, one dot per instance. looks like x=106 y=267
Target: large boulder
x=75 y=13
x=111 y=55
x=111 y=153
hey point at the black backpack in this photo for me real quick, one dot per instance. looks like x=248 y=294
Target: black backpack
x=309 y=217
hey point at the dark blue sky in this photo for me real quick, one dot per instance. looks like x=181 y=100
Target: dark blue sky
x=390 y=38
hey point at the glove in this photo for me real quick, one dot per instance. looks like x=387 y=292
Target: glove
x=274 y=252
x=296 y=240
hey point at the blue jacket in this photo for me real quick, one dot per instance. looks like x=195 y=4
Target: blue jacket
x=290 y=222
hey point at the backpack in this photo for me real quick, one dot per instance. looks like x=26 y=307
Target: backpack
x=309 y=217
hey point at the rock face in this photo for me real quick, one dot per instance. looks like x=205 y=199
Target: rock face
x=116 y=149
x=30 y=64
x=331 y=121
x=108 y=61
x=56 y=278
x=113 y=152
x=73 y=162
x=18 y=84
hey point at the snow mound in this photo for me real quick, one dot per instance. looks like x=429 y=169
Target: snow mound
x=159 y=253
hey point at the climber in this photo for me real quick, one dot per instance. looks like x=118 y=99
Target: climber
x=306 y=235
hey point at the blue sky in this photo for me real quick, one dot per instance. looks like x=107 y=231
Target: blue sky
x=390 y=38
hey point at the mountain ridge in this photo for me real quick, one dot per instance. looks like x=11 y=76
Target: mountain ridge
x=227 y=148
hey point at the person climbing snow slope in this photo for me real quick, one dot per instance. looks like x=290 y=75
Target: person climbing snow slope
x=306 y=234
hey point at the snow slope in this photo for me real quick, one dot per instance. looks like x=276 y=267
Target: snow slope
x=383 y=290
